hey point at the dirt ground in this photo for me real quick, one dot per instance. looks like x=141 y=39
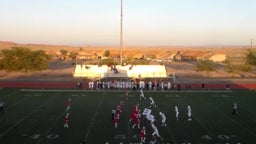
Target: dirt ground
x=184 y=71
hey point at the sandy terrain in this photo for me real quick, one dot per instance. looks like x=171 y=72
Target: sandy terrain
x=62 y=70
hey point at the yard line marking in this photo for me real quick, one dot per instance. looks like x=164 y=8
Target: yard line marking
x=54 y=123
x=128 y=123
x=202 y=125
x=169 y=131
x=20 y=121
x=236 y=122
x=233 y=120
x=23 y=119
x=205 y=128
x=93 y=119
x=246 y=109
x=3 y=97
x=18 y=102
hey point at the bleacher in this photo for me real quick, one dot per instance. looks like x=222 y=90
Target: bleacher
x=131 y=71
x=147 y=71
x=90 y=71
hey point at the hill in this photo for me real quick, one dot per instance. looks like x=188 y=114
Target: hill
x=63 y=69
x=161 y=52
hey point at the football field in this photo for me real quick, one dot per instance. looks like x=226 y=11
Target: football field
x=36 y=116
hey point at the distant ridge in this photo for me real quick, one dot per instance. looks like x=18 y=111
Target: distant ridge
x=29 y=44
x=7 y=43
x=160 y=52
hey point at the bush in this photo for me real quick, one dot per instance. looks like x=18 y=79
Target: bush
x=205 y=65
x=23 y=59
x=245 y=68
x=108 y=61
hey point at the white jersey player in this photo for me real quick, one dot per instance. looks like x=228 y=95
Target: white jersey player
x=155 y=131
x=146 y=111
x=169 y=85
x=152 y=102
x=162 y=85
x=148 y=115
x=150 y=118
x=142 y=94
x=91 y=85
x=163 y=119
x=189 y=113
x=177 y=112
x=150 y=85
x=235 y=111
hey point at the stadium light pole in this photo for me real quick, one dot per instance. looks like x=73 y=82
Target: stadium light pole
x=121 y=34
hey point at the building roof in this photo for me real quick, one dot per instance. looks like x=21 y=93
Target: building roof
x=219 y=52
x=194 y=53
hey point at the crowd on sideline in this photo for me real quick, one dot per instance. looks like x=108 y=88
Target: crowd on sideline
x=142 y=84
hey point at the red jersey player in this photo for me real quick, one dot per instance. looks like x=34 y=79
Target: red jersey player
x=68 y=104
x=135 y=111
x=121 y=104
x=66 y=120
x=118 y=112
x=143 y=135
x=136 y=121
x=116 y=119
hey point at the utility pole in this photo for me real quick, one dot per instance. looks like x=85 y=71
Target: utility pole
x=121 y=34
x=251 y=43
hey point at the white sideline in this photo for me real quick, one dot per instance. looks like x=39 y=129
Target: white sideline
x=121 y=90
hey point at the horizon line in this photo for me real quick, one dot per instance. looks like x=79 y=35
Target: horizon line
x=116 y=45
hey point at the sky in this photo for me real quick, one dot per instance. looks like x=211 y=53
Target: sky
x=145 y=22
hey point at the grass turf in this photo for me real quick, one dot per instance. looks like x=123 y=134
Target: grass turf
x=36 y=117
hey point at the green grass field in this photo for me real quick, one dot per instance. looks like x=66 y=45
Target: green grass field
x=37 y=117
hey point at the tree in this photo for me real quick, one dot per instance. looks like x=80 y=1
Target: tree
x=250 y=58
x=107 y=53
x=73 y=55
x=63 y=52
x=81 y=49
x=206 y=65
x=40 y=60
x=23 y=59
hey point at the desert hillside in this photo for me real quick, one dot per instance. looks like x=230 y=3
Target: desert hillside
x=235 y=53
x=185 y=70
